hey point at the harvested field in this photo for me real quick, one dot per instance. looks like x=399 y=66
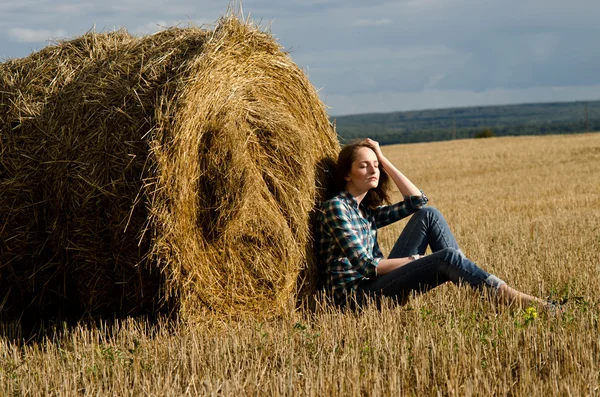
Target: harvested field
x=527 y=209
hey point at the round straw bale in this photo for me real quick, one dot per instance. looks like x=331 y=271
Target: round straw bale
x=174 y=170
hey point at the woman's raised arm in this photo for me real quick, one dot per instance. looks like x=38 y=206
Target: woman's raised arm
x=406 y=187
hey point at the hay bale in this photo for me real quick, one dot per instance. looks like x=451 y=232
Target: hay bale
x=173 y=170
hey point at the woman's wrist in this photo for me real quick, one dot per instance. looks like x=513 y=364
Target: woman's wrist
x=383 y=160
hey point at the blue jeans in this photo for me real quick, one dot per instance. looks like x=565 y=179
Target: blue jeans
x=427 y=227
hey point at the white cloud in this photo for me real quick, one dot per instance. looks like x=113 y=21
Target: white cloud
x=25 y=35
x=373 y=22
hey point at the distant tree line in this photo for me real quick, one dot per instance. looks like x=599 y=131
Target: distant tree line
x=461 y=123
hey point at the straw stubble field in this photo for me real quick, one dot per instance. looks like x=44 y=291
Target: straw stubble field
x=526 y=209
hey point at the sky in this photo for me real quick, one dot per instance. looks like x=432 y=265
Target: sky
x=372 y=55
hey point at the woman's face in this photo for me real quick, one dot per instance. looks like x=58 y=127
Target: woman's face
x=364 y=174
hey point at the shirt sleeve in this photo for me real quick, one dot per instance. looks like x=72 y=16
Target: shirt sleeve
x=388 y=214
x=339 y=225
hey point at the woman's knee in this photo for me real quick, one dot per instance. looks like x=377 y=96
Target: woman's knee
x=432 y=212
x=428 y=212
x=452 y=255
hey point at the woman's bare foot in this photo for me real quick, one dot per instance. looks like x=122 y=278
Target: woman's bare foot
x=511 y=296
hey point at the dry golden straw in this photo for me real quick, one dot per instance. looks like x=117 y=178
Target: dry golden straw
x=525 y=208
x=177 y=170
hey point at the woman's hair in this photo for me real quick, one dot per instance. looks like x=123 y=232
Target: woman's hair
x=374 y=197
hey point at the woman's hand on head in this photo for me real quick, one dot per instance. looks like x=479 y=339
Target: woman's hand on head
x=375 y=146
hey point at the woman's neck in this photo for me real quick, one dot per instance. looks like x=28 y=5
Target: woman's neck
x=358 y=195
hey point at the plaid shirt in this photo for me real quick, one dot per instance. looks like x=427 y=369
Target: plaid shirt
x=348 y=247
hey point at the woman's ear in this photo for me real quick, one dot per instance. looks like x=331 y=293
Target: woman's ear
x=347 y=177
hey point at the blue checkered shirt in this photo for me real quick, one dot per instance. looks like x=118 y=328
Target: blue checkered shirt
x=348 y=248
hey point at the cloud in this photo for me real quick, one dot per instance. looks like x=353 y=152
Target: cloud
x=406 y=68
x=380 y=55
x=367 y=55
x=373 y=22
x=70 y=10
x=543 y=45
x=389 y=101
x=434 y=80
x=25 y=35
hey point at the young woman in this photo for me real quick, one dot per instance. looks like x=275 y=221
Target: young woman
x=348 y=248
